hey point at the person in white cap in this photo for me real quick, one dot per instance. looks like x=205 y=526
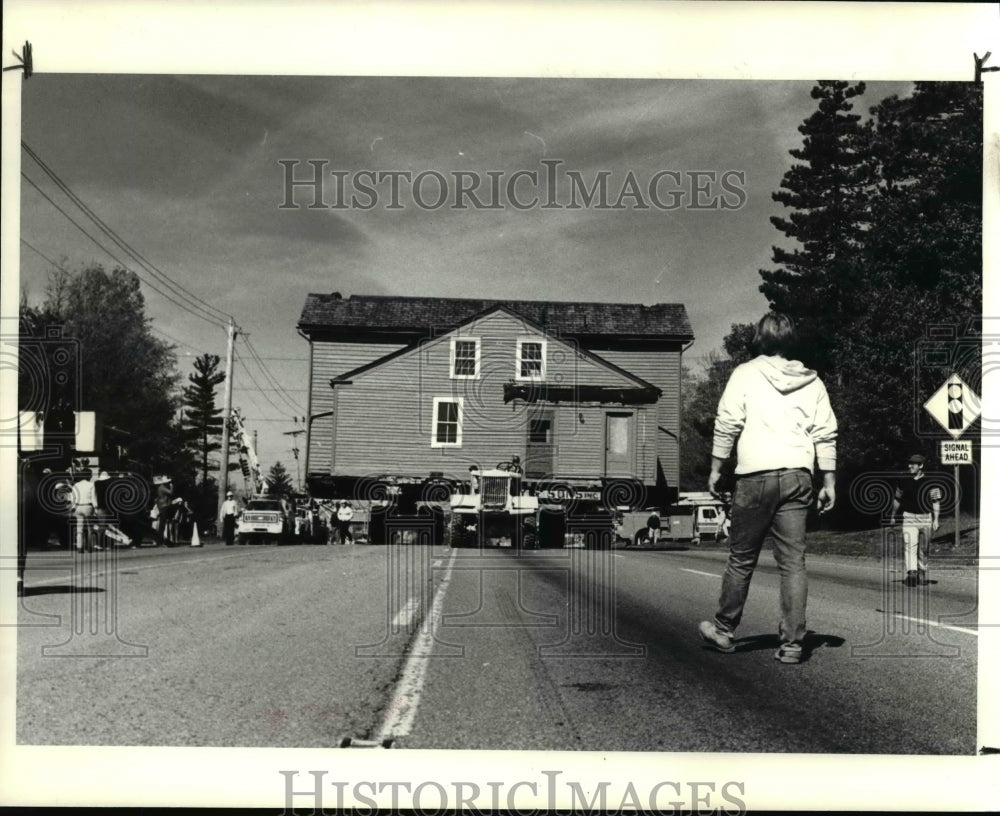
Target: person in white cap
x=227 y=515
x=921 y=506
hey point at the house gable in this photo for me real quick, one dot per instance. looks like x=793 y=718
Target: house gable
x=565 y=365
x=408 y=412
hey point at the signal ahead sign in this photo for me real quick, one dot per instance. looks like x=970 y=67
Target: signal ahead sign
x=958 y=452
x=954 y=405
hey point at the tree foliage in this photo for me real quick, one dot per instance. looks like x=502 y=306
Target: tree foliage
x=923 y=269
x=124 y=373
x=279 y=483
x=202 y=421
x=886 y=224
x=699 y=400
x=825 y=192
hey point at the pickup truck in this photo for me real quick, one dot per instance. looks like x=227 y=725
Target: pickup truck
x=681 y=522
x=263 y=521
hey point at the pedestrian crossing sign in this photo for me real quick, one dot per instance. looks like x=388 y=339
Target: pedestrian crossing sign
x=954 y=405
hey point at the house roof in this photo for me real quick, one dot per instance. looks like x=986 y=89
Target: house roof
x=332 y=312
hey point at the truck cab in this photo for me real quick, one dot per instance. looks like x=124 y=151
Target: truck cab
x=492 y=510
x=262 y=520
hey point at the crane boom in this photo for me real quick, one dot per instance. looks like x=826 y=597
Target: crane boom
x=252 y=478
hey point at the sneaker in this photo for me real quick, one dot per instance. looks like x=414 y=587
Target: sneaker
x=789 y=653
x=715 y=637
x=922 y=577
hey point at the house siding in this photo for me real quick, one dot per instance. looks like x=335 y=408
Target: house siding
x=661 y=367
x=329 y=360
x=401 y=392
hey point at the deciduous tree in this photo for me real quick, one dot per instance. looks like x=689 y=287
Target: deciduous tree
x=126 y=374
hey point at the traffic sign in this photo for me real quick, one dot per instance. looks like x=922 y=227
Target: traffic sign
x=956 y=452
x=954 y=405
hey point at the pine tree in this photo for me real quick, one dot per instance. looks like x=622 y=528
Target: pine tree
x=279 y=483
x=827 y=194
x=202 y=421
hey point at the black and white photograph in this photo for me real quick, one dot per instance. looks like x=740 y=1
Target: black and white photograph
x=536 y=427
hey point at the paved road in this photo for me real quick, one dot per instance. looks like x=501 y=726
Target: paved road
x=618 y=665
x=435 y=648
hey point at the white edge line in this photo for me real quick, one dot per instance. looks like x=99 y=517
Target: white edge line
x=402 y=710
x=699 y=572
x=404 y=617
x=939 y=625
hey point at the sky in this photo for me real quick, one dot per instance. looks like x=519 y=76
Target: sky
x=187 y=170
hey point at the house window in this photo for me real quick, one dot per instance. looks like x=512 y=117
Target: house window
x=447 y=429
x=465 y=358
x=530 y=359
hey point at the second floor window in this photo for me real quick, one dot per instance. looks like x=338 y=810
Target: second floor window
x=465 y=358
x=530 y=359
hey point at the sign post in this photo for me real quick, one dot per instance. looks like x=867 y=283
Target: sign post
x=957 y=453
x=955 y=406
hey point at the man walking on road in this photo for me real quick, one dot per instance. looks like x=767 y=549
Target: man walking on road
x=915 y=497
x=780 y=411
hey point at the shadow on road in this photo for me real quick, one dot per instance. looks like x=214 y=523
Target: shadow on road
x=811 y=643
x=59 y=590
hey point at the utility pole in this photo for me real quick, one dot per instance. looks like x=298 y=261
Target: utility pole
x=226 y=411
x=295 y=451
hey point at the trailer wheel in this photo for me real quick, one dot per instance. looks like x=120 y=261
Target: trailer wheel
x=529 y=534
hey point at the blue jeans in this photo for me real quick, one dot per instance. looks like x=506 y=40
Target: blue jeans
x=773 y=504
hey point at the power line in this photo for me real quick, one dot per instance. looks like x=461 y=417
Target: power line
x=272 y=379
x=205 y=310
x=109 y=253
x=269 y=389
x=263 y=393
x=175 y=340
x=40 y=254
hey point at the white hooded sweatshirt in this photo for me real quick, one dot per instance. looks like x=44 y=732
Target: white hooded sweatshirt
x=780 y=411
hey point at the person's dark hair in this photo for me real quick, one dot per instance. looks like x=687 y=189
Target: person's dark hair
x=775 y=334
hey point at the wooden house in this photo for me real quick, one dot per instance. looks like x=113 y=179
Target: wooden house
x=415 y=391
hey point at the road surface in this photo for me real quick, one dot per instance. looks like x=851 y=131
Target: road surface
x=430 y=647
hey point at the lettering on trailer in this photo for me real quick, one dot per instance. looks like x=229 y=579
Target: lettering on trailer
x=564 y=494
x=958 y=452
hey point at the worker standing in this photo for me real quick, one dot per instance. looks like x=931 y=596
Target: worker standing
x=227 y=515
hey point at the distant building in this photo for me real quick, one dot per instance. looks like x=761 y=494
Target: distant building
x=415 y=390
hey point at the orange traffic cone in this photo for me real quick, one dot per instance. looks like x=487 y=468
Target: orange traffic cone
x=195 y=540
